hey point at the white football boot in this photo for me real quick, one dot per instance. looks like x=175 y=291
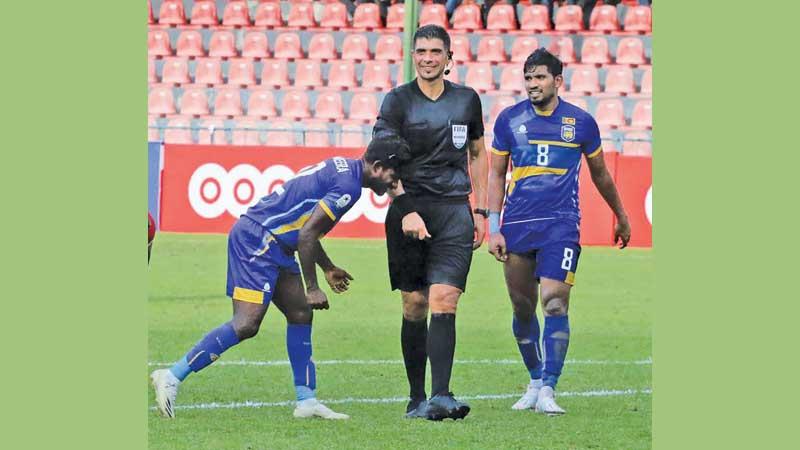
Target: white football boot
x=528 y=400
x=313 y=408
x=546 y=403
x=166 y=387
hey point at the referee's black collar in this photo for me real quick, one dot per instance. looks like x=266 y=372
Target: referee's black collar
x=419 y=90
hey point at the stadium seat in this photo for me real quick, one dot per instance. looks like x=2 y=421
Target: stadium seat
x=190 y=43
x=395 y=16
x=433 y=14
x=604 y=18
x=637 y=143
x=204 y=13
x=151 y=71
x=287 y=46
x=261 y=103
x=280 y=134
x=609 y=113
x=501 y=17
x=178 y=130
x=246 y=131
x=211 y=131
x=468 y=17
x=194 y=101
x=492 y=49
x=453 y=76
x=172 y=13
x=255 y=45
x=222 y=44
x=619 y=80
x=459 y=45
x=150 y=19
x=307 y=74
x=522 y=47
x=630 y=50
x=580 y=102
x=389 y=47
x=228 y=102
x=352 y=136
x=356 y=47
x=367 y=16
x=639 y=19
x=595 y=51
x=585 y=80
x=275 y=73
x=642 y=116
x=647 y=81
x=301 y=15
x=316 y=135
x=512 y=79
x=241 y=72
x=268 y=15
x=158 y=43
x=208 y=71
x=500 y=103
x=364 y=107
x=564 y=48
x=342 y=75
x=322 y=46
x=535 y=18
x=329 y=106
x=334 y=15
x=479 y=77
x=160 y=101
x=236 y=14
x=175 y=70
x=569 y=18
x=295 y=105
x=376 y=76
x=153 y=131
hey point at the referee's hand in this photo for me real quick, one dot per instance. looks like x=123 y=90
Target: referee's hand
x=414 y=227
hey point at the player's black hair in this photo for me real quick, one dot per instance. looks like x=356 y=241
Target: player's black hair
x=433 y=32
x=390 y=149
x=541 y=57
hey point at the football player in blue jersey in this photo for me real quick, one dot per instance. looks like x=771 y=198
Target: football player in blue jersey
x=262 y=268
x=538 y=241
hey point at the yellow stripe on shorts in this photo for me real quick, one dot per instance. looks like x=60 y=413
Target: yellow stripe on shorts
x=248 y=295
x=570 y=280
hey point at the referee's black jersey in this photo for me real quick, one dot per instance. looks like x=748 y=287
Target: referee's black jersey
x=438 y=133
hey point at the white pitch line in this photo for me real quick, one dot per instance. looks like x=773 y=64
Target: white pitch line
x=369 y=362
x=255 y=404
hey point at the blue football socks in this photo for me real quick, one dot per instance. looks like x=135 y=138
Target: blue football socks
x=298 y=345
x=527 y=335
x=556 y=343
x=206 y=351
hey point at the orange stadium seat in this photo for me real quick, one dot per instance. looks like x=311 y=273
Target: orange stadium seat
x=275 y=72
x=204 y=12
x=246 y=132
x=569 y=18
x=595 y=51
x=512 y=79
x=342 y=75
x=639 y=19
x=316 y=135
x=479 y=77
x=211 y=131
x=241 y=72
x=151 y=71
x=268 y=15
x=255 y=45
x=376 y=76
x=585 y=80
x=194 y=101
x=236 y=14
x=295 y=105
x=604 y=18
x=329 y=106
x=647 y=81
x=287 y=46
x=171 y=13
x=459 y=45
x=322 y=46
x=175 y=70
x=228 y=102
x=609 y=113
x=301 y=15
x=535 y=18
x=500 y=103
x=388 y=48
x=630 y=50
x=367 y=16
x=468 y=17
x=564 y=48
x=280 y=133
x=395 y=16
x=364 y=107
x=501 y=17
x=334 y=15
x=222 y=44
x=158 y=43
x=307 y=73
x=355 y=46
x=150 y=19
x=433 y=14
x=523 y=47
x=178 y=130
x=637 y=143
x=190 y=43
x=619 y=80
x=491 y=49
x=642 y=116
x=208 y=71
x=261 y=103
x=160 y=101
x=352 y=136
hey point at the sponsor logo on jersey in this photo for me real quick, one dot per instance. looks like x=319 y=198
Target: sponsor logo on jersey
x=459 y=136
x=568 y=120
x=343 y=201
x=522 y=129
x=568 y=133
x=267 y=287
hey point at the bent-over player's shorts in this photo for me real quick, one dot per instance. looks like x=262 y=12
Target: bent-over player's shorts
x=254 y=262
x=553 y=243
x=444 y=258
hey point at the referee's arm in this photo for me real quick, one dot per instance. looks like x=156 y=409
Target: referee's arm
x=479 y=173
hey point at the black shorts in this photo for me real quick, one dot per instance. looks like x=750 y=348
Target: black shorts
x=444 y=258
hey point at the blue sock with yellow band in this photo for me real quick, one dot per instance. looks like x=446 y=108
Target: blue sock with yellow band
x=206 y=351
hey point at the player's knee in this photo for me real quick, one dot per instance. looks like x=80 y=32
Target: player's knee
x=300 y=316
x=523 y=310
x=556 y=306
x=246 y=328
x=415 y=306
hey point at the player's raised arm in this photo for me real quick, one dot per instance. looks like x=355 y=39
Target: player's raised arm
x=605 y=184
x=497 y=184
x=309 y=249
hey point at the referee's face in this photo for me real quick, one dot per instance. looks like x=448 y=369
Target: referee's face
x=541 y=85
x=430 y=58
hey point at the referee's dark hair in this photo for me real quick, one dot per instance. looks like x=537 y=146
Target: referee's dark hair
x=541 y=57
x=390 y=149
x=433 y=32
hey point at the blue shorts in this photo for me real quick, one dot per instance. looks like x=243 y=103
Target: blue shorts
x=553 y=243
x=254 y=262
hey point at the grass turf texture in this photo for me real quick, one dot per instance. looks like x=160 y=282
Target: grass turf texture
x=610 y=319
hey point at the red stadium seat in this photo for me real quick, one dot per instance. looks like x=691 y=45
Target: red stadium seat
x=194 y=101
x=569 y=18
x=595 y=51
x=610 y=113
x=255 y=45
x=151 y=71
x=479 y=77
x=468 y=17
x=158 y=43
x=364 y=106
x=178 y=130
x=637 y=143
x=150 y=19
x=268 y=15
x=316 y=135
x=190 y=43
x=261 y=103
x=433 y=14
x=236 y=14
x=287 y=46
x=322 y=46
x=295 y=105
x=642 y=116
x=204 y=12
x=395 y=17
x=604 y=18
x=211 y=131
x=342 y=75
x=208 y=71
x=535 y=18
x=647 y=81
x=389 y=48
x=334 y=16
x=352 y=136
x=630 y=50
x=160 y=101
x=502 y=17
x=246 y=132
x=580 y=102
x=307 y=74
x=376 y=76
x=523 y=47
x=500 y=103
x=564 y=48
x=639 y=19
x=329 y=106
x=241 y=72
x=585 y=80
x=453 y=76
x=171 y=13
x=619 y=80
x=280 y=134
x=491 y=49
x=301 y=15
x=355 y=46
x=512 y=79
x=228 y=102
x=175 y=71
x=367 y=16
x=459 y=45
x=222 y=44
x=275 y=73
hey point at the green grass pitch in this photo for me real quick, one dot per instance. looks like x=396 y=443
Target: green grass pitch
x=605 y=385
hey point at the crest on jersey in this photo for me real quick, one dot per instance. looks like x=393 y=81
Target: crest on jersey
x=343 y=201
x=568 y=133
x=459 y=135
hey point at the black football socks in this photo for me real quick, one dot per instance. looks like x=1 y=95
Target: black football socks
x=413 y=338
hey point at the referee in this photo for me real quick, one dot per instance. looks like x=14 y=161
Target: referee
x=431 y=229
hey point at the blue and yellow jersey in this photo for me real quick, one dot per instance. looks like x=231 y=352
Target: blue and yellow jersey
x=333 y=185
x=545 y=149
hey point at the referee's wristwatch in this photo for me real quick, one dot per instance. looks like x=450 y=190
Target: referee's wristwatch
x=481 y=211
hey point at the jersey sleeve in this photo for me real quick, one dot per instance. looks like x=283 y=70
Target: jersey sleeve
x=476 y=118
x=501 y=144
x=342 y=195
x=390 y=117
x=591 y=146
